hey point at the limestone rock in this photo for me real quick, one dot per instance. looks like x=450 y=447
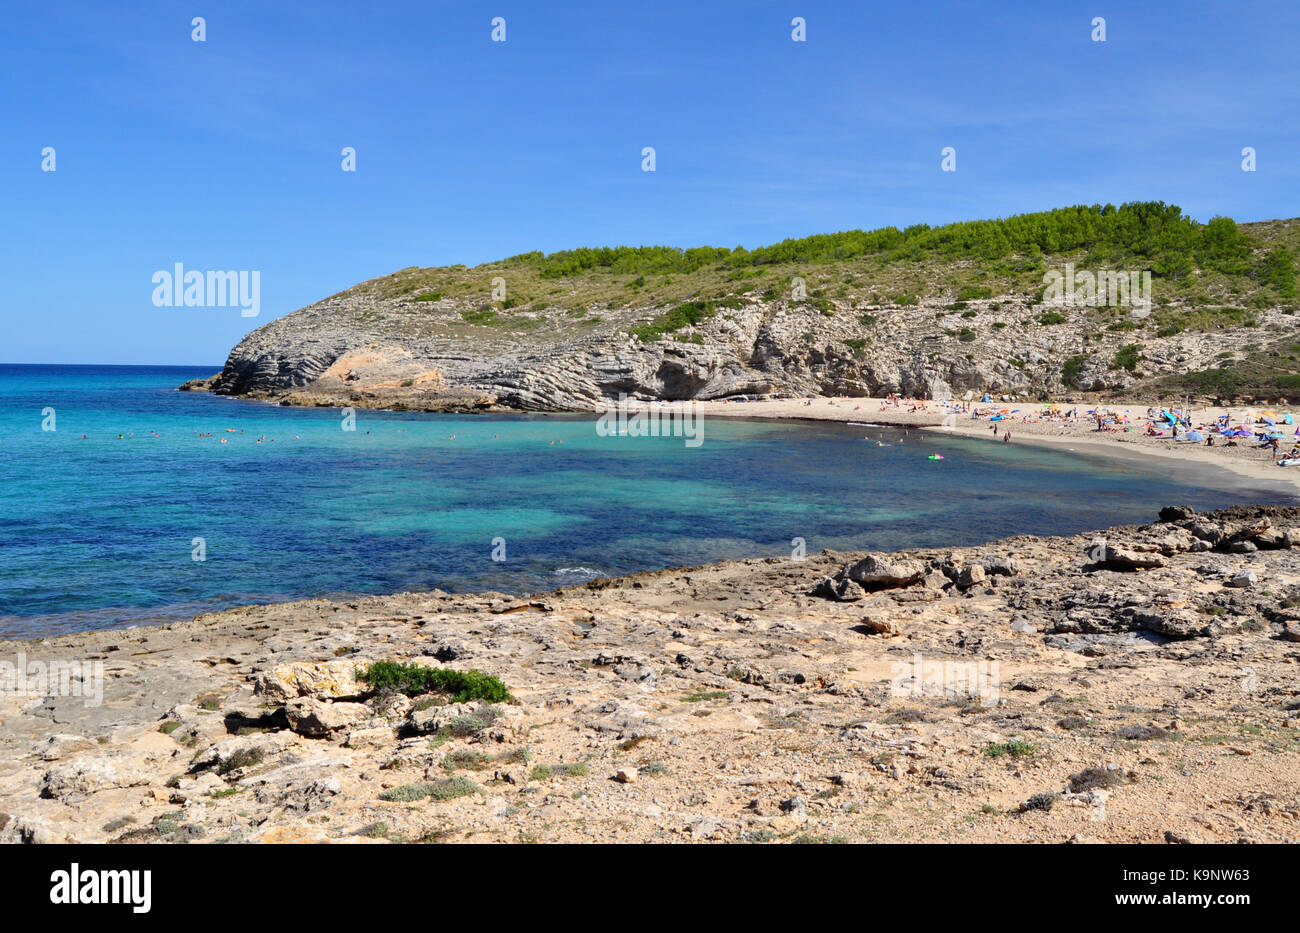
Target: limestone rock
x=883 y=571
x=310 y=716
x=62 y=745
x=83 y=776
x=1119 y=558
x=321 y=679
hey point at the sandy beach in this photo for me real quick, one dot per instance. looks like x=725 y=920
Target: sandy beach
x=1243 y=465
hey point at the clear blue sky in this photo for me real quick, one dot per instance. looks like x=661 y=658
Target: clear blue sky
x=226 y=154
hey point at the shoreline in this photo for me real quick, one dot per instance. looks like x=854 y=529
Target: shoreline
x=1243 y=463
x=742 y=701
x=1198 y=466
x=1246 y=464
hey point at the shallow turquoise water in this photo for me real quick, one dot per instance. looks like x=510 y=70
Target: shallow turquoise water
x=100 y=531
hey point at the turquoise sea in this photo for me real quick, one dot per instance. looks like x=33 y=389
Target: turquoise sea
x=102 y=530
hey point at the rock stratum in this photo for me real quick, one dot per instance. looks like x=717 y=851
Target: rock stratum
x=1133 y=685
x=364 y=349
x=1093 y=299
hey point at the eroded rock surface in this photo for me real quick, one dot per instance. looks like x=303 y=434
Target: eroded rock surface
x=1017 y=691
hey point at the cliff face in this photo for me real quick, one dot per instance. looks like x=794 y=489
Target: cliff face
x=361 y=348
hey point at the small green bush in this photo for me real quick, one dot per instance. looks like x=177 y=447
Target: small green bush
x=1070 y=370
x=244 y=758
x=1016 y=748
x=1127 y=358
x=465 y=760
x=414 y=679
x=485 y=317
x=684 y=315
x=436 y=790
x=704 y=697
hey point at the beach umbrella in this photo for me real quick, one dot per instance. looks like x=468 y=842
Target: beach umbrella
x=1195 y=436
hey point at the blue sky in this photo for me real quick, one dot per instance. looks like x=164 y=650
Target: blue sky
x=225 y=154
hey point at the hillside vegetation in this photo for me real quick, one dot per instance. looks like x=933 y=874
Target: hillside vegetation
x=1192 y=263
x=1206 y=277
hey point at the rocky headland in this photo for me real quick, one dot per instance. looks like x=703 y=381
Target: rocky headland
x=364 y=350
x=923 y=312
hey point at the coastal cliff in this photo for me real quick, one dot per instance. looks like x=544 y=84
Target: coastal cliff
x=933 y=314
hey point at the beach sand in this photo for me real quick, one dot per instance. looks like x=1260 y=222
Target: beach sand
x=1243 y=466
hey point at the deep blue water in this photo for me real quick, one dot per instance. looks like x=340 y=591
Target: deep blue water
x=100 y=531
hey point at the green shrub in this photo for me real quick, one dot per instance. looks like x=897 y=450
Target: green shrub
x=473 y=723
x=1070 y=370
x=1278 y=271
x=546 y=772
x=465 y=759
x=244 y=758
x=1016 y=748
x=447 y=789
x=684 y=315
x=705 y=696
x=414 y=679
x=1127 y=357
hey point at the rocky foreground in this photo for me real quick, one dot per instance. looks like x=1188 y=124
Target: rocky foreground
x=1137 y=685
